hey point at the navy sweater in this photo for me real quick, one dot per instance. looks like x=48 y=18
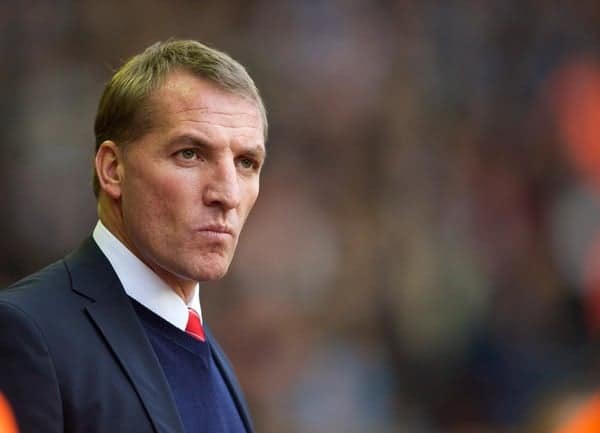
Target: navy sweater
x=202 y=398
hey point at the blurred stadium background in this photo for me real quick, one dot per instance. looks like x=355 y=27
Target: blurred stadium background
x=425 y=254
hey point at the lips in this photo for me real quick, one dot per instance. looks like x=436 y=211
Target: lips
x=216 y=229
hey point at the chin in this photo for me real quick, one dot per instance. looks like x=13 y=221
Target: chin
x=210 y=276
x=211 y=271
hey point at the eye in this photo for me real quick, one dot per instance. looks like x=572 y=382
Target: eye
x=248 y=163
x=188 y=154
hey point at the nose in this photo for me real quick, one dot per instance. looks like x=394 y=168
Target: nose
x=222 y=188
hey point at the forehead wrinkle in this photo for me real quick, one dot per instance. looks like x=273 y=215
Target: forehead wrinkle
x=220 y=124
x=223 y=113
x=236 y=132
x=209 y=116
x=236 y=120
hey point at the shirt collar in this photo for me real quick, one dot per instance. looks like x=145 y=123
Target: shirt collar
x=142 y=284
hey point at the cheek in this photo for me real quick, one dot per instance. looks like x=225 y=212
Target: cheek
x=153 y=199
x=167 y=182
x=251 y=194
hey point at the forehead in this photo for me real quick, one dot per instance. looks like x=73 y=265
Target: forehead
x=184 y=97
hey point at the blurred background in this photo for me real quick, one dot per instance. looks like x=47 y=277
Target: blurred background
x=425 y=253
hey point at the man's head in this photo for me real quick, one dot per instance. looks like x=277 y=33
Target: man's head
x=124 y=113
x=180 y=142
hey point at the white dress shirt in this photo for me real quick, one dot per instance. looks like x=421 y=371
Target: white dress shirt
x=142 y=284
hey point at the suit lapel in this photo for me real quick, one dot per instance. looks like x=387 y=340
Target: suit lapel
x=117 y=321
x=230 y=380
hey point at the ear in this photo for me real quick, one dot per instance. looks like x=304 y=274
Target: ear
x=109 y=168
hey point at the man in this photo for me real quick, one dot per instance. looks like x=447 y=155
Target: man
x=110 y=338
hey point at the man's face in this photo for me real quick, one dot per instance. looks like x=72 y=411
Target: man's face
x=188 y=185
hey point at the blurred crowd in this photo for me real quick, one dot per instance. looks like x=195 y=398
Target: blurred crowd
x=425 y=253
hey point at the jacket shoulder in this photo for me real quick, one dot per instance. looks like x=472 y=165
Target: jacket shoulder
x=38 y=287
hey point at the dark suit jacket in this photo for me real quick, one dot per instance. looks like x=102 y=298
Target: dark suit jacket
x=74 y=357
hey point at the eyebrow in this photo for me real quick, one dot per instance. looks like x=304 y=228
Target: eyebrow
x=257 y=151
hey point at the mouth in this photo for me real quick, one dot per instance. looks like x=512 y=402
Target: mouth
x=216 y=230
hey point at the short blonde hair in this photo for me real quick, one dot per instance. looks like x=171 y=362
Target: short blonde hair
x=123 y=112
